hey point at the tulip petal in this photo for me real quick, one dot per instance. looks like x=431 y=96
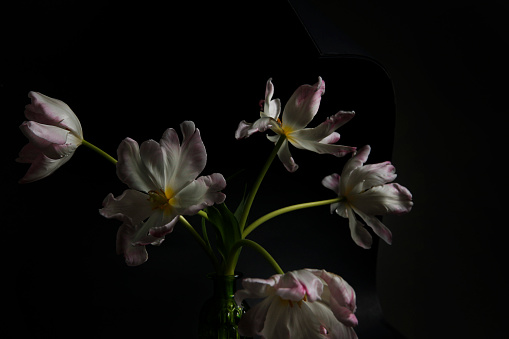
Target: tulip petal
x=183 y=162
x=134 y=255
x=54 y=142
x=132 y=207
x=342 y=299
x=299 y=284
x=286 y=157
x=199 y=194
x=50 y=111
x=159 y=222
x=358 y=159
x=130 y=168
x=359 y=234
x=378 y=227
x=326 y=128
x=41 y=167
x=332 y=182
x=318 y=147
x=385 y=199
x=303 y=105
x=253 y=321
x=153 y=159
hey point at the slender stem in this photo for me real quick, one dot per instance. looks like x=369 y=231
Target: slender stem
x=200 y=241
x=284 y=210
x=100 y=151
x=258 y=182
x=230 y=266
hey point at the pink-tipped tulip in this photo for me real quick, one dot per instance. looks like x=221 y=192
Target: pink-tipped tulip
x=54 y=133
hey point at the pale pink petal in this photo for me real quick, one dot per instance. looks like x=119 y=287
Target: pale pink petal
x=134 y=255
x=342 y=299
x=183 y=162
x=303 y=105
x=286 y=157
x=41 y=167
x=359 y=234
x=153 y=160
x=199 y=194
x=378 y=227
x=130 y=168
x=385 y=199
x=131 y=207
x=326 y=128
x=358 y=159
x=372 y=175
x=261 y=125
x=53 y=141
x=252 y=322
x=159 y=222
x=318 y=147
x=271 y=107
x=296 y=285
x=332 y=182
x=50 y=111
x=256 y=288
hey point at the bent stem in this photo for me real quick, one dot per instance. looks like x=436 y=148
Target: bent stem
x=232 y=261
x=100 y=151
x=258 y=182
x=284 y=210
x=200 y=241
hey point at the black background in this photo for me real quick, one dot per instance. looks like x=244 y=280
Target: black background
x=135 y=70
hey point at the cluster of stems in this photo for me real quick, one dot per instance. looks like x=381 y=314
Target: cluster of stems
x=245 y=229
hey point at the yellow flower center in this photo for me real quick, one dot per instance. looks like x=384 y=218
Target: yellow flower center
x=285 y=130
x=162 y=200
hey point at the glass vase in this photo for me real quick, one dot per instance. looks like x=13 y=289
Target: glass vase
x=220 y=314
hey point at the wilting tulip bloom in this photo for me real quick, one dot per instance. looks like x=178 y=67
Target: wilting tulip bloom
x=297 y=114
x=163 y=185
x=303 y=304
x=365 y=190
x=53 y=132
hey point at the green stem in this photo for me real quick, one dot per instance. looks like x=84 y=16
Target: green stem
x=232 y=261
x=100 y=151
x=284 y=210
x=258 y=182
x=200 y=241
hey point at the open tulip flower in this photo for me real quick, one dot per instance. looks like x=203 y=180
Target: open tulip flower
x=54 y=133
x=303 y=304
x=163 y=185
x=297 y=114
x=367 y=191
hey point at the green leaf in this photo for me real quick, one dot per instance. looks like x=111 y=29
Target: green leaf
x=226 y=226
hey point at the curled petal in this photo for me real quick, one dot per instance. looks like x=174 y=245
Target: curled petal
x=132 y=207
x=358 y=159
x=332 y=182
x=50 y=111
x=303 y=105
x=385 y=199
x=199 y=194
x=298 y=284
x=326 y=128
x=378 y=227
x=158 y=224
x=359 y=234
x=134 y=255
x=41 y=167
x=319 y=147
x=342 y=297
x=256 y=288
x=286 y=157
x=247 y=129
x=54 y=142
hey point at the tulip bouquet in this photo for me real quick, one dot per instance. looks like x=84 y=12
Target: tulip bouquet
x=164 y=186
